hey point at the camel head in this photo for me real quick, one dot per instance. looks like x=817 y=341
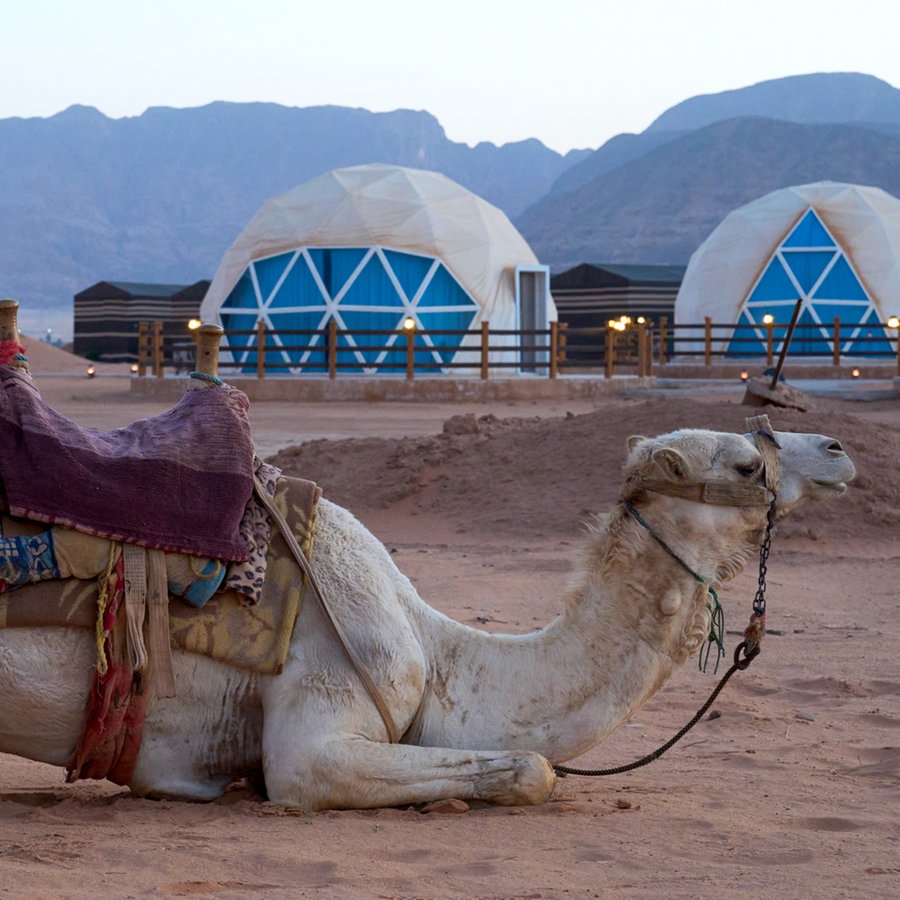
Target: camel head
x=708 y=489
x=810 y=467
x=703 y=496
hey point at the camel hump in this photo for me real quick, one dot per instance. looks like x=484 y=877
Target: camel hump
x=208 y=338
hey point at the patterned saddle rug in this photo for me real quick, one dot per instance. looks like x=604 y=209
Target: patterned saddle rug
x=177 y=482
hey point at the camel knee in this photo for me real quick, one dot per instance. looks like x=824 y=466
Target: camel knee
x=535 y=779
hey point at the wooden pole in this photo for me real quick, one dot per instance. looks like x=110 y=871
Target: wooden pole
x=9 y=331
x=208 y=338
x=554 y=348
x=836 y=341
x=707 y=341
x=782 y=356
x=260 y=349
x=158 y=349
x=770 y=343
x=563 y=341
x=485 y=349
x=648 y=353
x=411 y=353
x=142 y=349
x=332 y=348
x=9 y=328
x=610 y=360
x=663 y=339
x=641 y=350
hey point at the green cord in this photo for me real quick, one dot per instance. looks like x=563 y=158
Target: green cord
x=716 y=633
x=717 y=614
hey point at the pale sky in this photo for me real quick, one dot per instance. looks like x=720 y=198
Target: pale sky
x=572 y=73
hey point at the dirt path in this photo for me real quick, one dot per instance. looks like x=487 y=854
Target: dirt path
x=790 y=791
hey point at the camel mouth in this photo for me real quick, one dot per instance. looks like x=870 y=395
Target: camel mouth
x=831 y=487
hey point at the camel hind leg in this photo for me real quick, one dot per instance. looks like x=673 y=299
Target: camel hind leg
x=352 y=772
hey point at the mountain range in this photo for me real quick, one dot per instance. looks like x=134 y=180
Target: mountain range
x=159 y=197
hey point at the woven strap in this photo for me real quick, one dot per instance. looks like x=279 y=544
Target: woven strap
x=301 y=560
x=717 y=493
x=764 y=437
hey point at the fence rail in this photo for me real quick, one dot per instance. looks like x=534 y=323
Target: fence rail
x=617 y=348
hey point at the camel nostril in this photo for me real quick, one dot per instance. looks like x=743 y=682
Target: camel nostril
x=834 y=447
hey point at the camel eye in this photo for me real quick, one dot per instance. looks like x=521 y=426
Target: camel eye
x=748 y=470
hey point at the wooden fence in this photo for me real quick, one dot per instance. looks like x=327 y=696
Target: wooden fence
x=633 y=348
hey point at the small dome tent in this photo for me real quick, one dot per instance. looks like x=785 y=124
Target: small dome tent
x=369 y=247
x=834 y=246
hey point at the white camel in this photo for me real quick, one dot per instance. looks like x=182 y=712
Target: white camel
x=482 y=716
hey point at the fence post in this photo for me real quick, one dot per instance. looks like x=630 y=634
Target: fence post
x=836 y=340
x=610 y=352
x=332 y=348
x=641 y=350
x=142 y=349
x=770 y=342
x=260 y=349
x=898 y=350
x=648 y=353
x=561 y=348
x=158 y=349
x=554 y=348
x=707 y=342
x=410 y=352
x=663 y=338
x=485 y=347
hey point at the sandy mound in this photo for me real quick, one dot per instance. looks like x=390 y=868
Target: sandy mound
x=489 y=473
x=44 y=359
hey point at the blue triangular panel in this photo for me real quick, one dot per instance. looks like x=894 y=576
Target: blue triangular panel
x=444 y=290
x=773 y=285
x=841 y=284
x=809 y=232
x=268 y=271
x=361 y=325
x=808 y=266
x=452 y=320
x=744 y=339
x=850 y=314
x=409 y=270
x=373 y=287
x=336 y=266
x=871 y=340
x=242 y=295
x=808 y=338
x=298 y=289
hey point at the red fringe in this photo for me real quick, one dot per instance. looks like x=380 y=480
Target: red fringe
x=8 y=351
x=116 y=707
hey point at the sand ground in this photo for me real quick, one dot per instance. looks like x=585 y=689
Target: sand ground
x=791 y=791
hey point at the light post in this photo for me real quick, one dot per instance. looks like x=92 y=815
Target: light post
x=894 y=322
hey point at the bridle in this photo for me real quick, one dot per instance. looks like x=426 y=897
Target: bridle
x=720 y=494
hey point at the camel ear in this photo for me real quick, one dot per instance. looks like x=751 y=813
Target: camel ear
x=671 y=462
x=633 y=441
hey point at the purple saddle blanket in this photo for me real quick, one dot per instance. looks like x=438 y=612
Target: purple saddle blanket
x=177 y=482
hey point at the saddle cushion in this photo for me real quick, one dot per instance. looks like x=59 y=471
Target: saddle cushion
x=178 y=482
x=230 y=627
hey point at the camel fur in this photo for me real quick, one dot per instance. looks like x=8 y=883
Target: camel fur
x=483 y=716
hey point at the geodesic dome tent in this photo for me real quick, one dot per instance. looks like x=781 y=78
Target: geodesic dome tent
x=835 y=247
x=369 y=247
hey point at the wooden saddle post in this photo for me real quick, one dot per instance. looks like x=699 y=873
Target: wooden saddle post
x=9 y=333
x=208 y=337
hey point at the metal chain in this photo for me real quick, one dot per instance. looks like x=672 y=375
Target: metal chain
x=759 y=601
x=744 y=654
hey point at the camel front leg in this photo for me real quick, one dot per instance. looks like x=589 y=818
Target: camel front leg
x=356 y=773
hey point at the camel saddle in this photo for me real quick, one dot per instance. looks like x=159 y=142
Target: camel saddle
x=177 y=482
